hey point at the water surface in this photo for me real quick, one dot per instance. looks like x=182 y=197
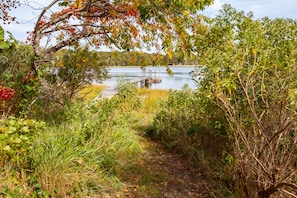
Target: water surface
x=181 y=76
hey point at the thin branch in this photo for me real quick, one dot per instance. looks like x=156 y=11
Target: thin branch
x=289 y=193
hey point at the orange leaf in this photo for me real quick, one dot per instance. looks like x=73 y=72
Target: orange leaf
x=113 y=13
x=134 y=31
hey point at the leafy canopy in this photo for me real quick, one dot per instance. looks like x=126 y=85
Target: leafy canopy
x=120 y=24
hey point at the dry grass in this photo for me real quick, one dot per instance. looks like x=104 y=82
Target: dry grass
x=91 y=91
x=152 y=98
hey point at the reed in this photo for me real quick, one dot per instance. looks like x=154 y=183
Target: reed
x=151 y=98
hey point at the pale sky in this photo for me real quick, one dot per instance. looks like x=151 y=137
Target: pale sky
x=261 y=8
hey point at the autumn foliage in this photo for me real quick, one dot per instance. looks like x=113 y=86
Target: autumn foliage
x=5 y=7
x=124 y=25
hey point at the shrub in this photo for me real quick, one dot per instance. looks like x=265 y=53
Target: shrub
x=16 y=140
x=71 y=72
x=251 y=74
x=190 y=124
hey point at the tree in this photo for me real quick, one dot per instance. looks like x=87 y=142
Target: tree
x=251 y=74
x=73 y=70
x=121 y=24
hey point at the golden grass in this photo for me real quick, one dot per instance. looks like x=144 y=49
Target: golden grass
x=91 y=91
x=152 y=98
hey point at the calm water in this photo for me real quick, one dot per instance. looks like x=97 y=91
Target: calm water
x=180 y=76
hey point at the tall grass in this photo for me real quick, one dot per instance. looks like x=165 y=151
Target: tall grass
x=82 y=153
x=151 y=99
x=67 y=162
x=91 y=91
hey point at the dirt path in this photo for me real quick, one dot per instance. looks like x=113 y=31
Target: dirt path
x=163 y=174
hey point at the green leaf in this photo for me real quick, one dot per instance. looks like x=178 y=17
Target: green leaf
x=25 y=129
x=24 y=137
x=17 y=140
x=7 y=148
x=1 y=35
x=144 y=13
x=11 y=129
x=3 y=136
x=169 y=71
x=4 y=45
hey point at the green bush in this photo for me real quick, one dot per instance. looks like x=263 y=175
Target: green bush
x=71 y=72
x=16 y=140
x=250 y=71
x=15 y=60
x=187 y=122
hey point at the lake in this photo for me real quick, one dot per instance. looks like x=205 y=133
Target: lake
x=181 y=76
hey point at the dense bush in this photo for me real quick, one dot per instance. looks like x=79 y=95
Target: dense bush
x=14 y=68
x=251 y=75
x=16 y=140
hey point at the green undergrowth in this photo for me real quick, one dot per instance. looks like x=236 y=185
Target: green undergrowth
x=96 y=149
x=80 y=151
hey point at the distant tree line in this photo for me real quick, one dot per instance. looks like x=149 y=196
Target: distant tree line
x=117 y=58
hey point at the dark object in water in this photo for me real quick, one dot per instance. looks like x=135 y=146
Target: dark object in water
x=192 y=73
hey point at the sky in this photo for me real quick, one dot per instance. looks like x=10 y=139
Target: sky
x=260 y=8
x=26 y=16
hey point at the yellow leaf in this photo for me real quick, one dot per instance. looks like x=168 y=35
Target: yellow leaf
x=133 y=60
x=169 y=54
x=7 y=148
x=186 y=13
x=254 y=51
x=59 y=64
x=78 y=3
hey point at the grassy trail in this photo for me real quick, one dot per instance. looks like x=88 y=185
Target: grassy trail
x=161 y=173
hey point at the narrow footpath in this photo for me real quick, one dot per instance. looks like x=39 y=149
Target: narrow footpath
x=162 y=174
